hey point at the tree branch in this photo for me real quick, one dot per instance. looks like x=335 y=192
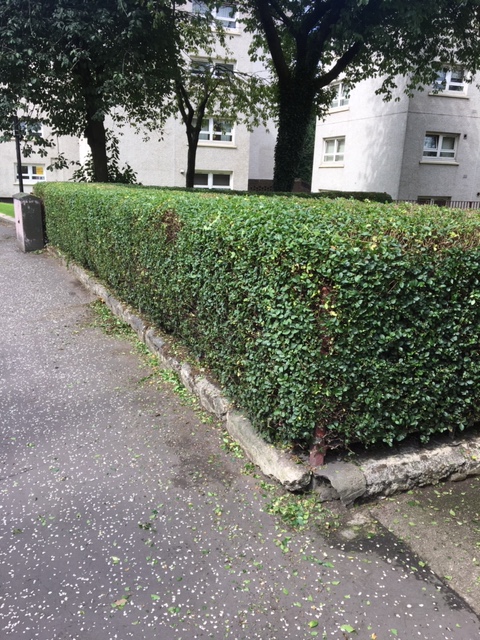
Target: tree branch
x=317 y=44
x=273 y=39
x=341 y=64
x=319 y=10
x=183 y=101
x=281 y=15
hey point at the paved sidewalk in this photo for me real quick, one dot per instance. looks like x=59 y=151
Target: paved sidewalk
x=122 y=517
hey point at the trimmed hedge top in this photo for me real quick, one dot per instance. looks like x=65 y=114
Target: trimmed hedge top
x=362 y=318
x=373 y=196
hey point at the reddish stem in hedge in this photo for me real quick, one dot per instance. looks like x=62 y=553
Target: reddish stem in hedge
x=319 y=447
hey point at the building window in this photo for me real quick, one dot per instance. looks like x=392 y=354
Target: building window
x=440 y=146
x=216 y=69
x=214 y=130
x=31 y=129
x=226 y=14
x=223 y=13
x=31 y=172
x=333 y=150
x=440 y=201
x=451 y=80
x=212 y=180
x=341 y=97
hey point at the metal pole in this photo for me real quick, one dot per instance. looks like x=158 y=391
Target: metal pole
x=16 y=128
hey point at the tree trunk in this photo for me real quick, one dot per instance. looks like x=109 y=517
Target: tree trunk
x=191 y=159
x=96 y=138
x=296 y=106
x=193 y=135
x=94 y=118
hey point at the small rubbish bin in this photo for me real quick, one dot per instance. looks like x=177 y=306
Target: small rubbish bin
x=29 y=222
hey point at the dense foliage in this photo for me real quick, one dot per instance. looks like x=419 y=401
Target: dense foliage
x=207 y=81
x=310 y=43
x=74 y=62
x=359 y=317
x=374 y=196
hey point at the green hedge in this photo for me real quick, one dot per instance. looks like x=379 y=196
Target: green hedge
x=373 y=196
x=360 y=317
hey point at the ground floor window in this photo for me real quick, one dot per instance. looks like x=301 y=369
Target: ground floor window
x=210 y=180
x=440 y=201
x=31 y=172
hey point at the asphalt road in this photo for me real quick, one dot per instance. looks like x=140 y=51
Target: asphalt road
x=121 y=515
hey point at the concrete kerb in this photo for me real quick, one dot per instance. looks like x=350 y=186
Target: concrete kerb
x=276 y=464
x=368 y=477
x=455 y=461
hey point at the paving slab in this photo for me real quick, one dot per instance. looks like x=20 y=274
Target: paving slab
x=441 y=524
x=121 y=516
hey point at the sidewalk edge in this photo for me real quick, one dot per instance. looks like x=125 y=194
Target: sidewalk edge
x=274 y=463
x=366 y=478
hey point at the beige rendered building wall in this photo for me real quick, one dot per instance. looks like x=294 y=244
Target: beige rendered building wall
x=162 y=160
x=69 y=146
x=455 y=113
x=374 y=132
x=384 y=144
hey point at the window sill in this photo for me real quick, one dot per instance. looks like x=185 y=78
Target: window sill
x=230 y=31
x=28 y=182
x=332 y=165
x=218 y=145
x=448 y=163
x=449 y=94
x=339 y=109
x=205 y=188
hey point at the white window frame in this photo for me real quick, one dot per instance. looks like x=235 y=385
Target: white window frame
x=217 y=68
x=445 y=84
x=342 y=96
x=337 y=155
x=32 y=129
x=200 y=67
x=211 y=179
x=228 y=22
x=214 y=129
x=440 y=153
x=30 y=175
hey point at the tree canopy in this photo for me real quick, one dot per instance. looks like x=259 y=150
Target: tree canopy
x=207 y=82
x=310 y=43
x=74 y=61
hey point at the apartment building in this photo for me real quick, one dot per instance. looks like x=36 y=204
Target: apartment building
x=35 y=167
x=422 y=148
x=228 y=156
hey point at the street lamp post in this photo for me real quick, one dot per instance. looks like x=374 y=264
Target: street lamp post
x=16 y=129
